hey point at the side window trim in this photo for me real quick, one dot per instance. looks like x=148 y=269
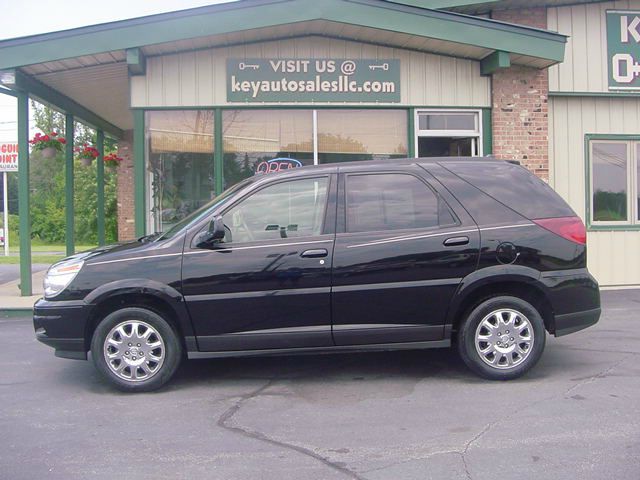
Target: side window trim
x=342 y=226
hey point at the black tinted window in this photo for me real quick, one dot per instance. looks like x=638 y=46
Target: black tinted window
x=389 y=202
x=513 y=186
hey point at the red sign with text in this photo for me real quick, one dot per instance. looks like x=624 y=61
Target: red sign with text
x=8 y=157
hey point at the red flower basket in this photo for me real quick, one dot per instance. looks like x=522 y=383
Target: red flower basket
x=49 y=145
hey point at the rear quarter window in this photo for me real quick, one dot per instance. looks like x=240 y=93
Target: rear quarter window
x=513 y=186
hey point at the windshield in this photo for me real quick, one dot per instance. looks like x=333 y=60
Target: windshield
x=203 y=211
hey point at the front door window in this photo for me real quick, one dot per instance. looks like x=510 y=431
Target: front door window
x=290 y=209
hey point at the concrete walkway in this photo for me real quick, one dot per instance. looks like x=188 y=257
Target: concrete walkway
x=10 y=299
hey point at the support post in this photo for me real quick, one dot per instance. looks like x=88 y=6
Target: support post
x=411 y=134
x=70 y=234
x=23 y=194
x=139 y=173
x=100 y=182
x=5 y=206
x=218 y=159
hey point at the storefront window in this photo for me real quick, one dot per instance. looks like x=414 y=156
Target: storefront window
x=252 y=137
x=180 y=163
x=610 y=173
x=347 y=135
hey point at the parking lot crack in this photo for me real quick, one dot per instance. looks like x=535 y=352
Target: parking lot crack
x=595 y=377
x=225 y=422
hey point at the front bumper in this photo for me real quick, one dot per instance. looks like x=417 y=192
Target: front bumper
x=62 y=325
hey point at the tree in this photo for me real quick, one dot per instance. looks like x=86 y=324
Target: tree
x=47 y=184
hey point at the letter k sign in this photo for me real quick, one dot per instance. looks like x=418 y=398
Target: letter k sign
x=627 y=28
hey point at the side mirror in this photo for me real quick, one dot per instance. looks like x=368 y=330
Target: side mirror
x=213 y=233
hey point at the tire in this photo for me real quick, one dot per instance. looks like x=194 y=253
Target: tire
x=488 y=345
x=149 y=354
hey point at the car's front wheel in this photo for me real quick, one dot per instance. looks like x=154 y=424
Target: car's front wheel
x=136 y=349
x=502 y=338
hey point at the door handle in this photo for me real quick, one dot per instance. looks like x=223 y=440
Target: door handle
x=453 y=241
x=315 y=253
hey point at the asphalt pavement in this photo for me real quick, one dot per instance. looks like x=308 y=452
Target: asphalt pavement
x=395 y=415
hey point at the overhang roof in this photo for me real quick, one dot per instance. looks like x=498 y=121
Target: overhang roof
x=81 y=62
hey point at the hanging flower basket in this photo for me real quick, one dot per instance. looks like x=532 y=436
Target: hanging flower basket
x=86 y=154
x=112 y=160
x=48 y=145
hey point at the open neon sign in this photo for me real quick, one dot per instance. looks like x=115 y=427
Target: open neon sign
x=276 y=165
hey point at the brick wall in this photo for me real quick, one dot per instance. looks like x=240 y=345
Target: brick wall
x=126 y=225
x=519 y=104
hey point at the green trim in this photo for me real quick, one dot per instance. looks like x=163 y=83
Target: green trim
x=23 y=194
x=218 y=158
x=436 y=3
x=487 y=132
x=494 y=62
x=136 y=61
x=100 y=186
x=69 y=211
x=411 y=131
x=59 y=101
x=140 y=207
x=254 y=14
x=16 y=312
x=308 y=106
x=6 y=91
x=587 y=155
x=595 y=94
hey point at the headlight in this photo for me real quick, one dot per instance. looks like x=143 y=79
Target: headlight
x=60 y=276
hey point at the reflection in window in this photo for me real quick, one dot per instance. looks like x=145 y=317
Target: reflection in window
x=290 y=209
x=609 y=182
x=389 y=202
x=347 y=135
x=447 y=121
x=254 y=136
x=180 y=163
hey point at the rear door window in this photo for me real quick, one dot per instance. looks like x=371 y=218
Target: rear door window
x=392 y=201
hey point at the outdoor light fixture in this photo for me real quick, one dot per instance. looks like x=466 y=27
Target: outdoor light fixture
x=8 y=78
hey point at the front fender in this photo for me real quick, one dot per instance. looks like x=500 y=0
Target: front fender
x=144 y=286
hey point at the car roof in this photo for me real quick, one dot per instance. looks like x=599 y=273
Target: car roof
x=382 y=163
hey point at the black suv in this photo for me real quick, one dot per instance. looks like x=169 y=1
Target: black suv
x=378 y=255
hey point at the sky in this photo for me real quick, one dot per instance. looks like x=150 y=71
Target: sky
x=31 y=17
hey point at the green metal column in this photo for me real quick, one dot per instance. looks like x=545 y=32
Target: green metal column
x=218 y=171
x=139 y=173
x=411 y=127
x=100 y=182
x=23 y=194
x=70 y=235
x=487 y=132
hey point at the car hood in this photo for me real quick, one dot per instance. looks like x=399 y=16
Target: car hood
x=121 y=250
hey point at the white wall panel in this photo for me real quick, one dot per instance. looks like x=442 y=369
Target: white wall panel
x=585 y=63
x=613 y=256
x=198 y=78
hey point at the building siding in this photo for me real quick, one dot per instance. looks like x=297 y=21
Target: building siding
x=198 y=78
x=613 y=256
x=585 y=66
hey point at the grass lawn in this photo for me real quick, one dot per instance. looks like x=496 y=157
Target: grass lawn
x=39 y=253
x=14 y=260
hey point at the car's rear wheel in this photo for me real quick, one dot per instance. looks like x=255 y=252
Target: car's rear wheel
x=136 y=349
x=502 y=338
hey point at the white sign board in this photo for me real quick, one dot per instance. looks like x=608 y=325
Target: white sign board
x=8 y=157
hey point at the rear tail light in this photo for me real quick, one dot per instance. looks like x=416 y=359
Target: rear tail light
x=570 y=228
